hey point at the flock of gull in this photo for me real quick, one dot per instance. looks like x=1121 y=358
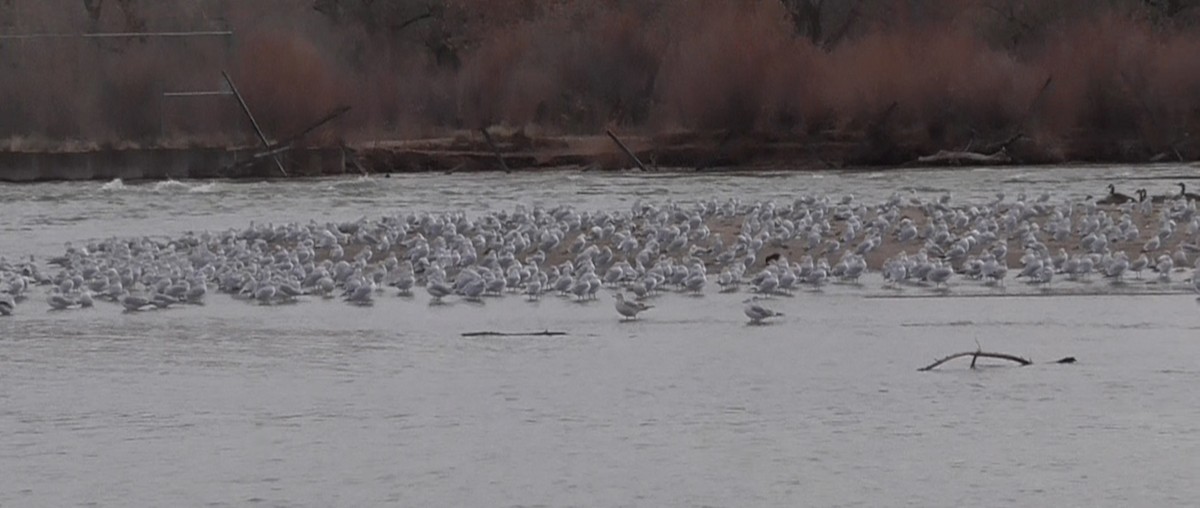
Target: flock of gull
x=727 y=246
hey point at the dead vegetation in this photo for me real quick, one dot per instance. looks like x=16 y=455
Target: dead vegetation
x=1049 y=81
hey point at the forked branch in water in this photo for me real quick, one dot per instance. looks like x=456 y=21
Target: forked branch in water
x=975 y=355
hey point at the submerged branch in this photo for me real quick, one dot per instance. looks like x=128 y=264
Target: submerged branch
x=544 y=333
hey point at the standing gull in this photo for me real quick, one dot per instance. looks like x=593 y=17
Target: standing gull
x=628 y=309
x=757 y=313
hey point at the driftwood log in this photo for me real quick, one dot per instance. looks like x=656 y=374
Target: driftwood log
x=959 y=157
x=544 y=333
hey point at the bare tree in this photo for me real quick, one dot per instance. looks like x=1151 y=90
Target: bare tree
x=823 y=22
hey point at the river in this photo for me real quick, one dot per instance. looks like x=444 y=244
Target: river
x=324 y=404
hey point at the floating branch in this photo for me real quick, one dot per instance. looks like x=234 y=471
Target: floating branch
x=975 y=355
x=544 y=333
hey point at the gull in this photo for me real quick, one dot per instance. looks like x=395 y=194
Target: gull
x=362 y=295
x=473 y=289
x=162 y=301
x=1139 y=264
x=940 y=274
x=326 y=286
x=895 y=271
x=195 y=294
x=405 y=283
x=133 y=302
x=628 y=309
x=642 y=290
x=289 y=290
x=59 y=302
x=1085 y=266
x=727 y=281
x=819 y=274
x=1152 y=245
x=7 y=303
x=695 y=282
x=580 y=288
x=1180 y=257
x=594 y=285
x=767 y=283
x=264 y=293
x=1044 y=276
x=495 y=286
x=533 y=289
x=995 y=271
x=178 y=291
x=438 y=289
x=1164 y=266
x=1117 y=267
x=757 y=313
x=855 y=266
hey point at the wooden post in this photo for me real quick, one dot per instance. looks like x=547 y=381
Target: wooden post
x=626 y=149
x=495 y=149
x=254 y=123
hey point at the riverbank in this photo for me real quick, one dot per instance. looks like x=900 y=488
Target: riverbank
x=517 y=151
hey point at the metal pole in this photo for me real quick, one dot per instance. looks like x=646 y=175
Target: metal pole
x=254 y=123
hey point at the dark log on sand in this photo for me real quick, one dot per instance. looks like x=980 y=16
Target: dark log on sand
x=957 y=157
x=544 y=333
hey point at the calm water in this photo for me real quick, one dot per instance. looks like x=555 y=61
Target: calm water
x=322 y=404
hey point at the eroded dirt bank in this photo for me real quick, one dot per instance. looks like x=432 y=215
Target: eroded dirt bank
x=516 y=151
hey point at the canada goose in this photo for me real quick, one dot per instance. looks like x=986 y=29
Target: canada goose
x=1156 y=199
x=1190 y=196
x=1114 y=197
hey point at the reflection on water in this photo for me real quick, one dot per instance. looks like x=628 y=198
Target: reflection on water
x=323 y=404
